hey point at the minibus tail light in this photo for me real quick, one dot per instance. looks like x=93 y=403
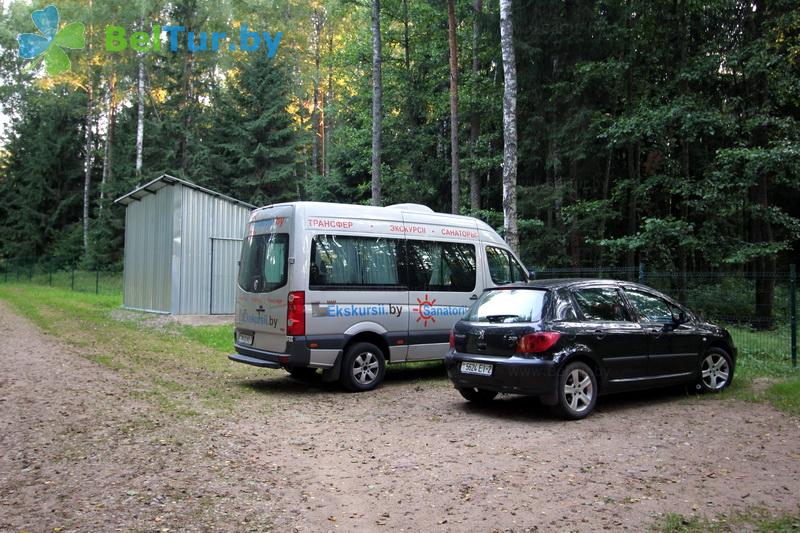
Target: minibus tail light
x=296 y=314
x=537 y=342
x=452 y=339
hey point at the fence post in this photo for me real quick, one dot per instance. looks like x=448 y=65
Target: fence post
x=97 y=282
x=72 y=283
x=793 y=310
x=641 y=273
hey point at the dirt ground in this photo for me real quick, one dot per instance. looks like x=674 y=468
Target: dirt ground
x=80 y=451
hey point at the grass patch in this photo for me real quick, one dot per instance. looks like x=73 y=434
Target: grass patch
x=762 y=353
x=215 y=337
x=785 y=395
x=756 y=520
x=764 y=356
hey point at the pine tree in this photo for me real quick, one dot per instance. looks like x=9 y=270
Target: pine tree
x=253 y=147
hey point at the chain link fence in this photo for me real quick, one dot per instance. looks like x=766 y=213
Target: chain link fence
x=98 y=281
x=758 y=308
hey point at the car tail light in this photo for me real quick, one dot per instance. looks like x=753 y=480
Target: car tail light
x=537 y=342
x=452 y=339
x=296 y=314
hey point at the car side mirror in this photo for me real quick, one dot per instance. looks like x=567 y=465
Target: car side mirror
x=680 y=319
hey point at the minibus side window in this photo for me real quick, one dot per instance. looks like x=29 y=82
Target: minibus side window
x=441 y=266
x=345 y=262
x=503 y=267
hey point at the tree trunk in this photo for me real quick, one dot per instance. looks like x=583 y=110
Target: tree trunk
x=509 y=127
x=475 y=117
x=455 y=185
x=377 y=102
x=575 y=236
x=761 y=227
x=89 y=161
x=632 y=149
x=327 y=112
x=187 y=112
x=406 y=52
x=606 y=183
x=633 y=176
x=108 y=155
x=765 y=265
x=140 y=120
x=315 y=119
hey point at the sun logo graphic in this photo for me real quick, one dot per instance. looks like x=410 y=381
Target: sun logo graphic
x=425 y=310
x=48 y=45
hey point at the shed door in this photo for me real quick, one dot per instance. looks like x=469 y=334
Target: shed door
x=224 y=266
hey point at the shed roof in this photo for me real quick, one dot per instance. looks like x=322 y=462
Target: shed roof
x=162 y=181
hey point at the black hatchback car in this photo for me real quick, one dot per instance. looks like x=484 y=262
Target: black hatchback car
x=567 y=341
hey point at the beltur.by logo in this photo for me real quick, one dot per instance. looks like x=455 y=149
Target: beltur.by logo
x=117 y=40
x=48 y=45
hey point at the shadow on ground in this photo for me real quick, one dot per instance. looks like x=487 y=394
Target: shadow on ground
x=281 y=382
x=521 y=408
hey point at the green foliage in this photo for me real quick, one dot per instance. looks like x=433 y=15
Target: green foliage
x=253 y=156
x=40 y=187
x=657 y=132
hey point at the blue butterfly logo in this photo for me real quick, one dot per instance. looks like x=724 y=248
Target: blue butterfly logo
x=48 y=45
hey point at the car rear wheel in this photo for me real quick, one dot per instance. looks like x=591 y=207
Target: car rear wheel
x=363 y=367
x=716 y=371
x=477 y=395
x=577 y=391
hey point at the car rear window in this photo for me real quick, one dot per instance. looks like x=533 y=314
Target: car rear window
x=264 y=262
x=508 y=306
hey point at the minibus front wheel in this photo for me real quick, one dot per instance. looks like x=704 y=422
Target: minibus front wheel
x=363 y=367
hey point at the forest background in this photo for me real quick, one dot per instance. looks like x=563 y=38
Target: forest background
x=649 y=132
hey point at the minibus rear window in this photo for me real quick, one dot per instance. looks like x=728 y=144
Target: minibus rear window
x=264 y=262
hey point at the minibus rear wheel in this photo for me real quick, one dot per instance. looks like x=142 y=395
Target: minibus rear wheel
x=363 y=367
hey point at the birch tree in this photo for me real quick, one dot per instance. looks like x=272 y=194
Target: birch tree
x=89 y=139
x=509 y=126
x=140 y=116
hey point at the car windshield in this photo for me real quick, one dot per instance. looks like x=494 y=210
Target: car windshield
x=508 y=306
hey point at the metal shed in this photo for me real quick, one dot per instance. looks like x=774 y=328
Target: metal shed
x=182 y=245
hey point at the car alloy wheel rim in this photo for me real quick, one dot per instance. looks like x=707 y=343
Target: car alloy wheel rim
x=578 y=390
x=715 y=371
x=365 y=368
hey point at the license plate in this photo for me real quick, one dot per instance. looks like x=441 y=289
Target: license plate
x=480 y=369
x=245 y=338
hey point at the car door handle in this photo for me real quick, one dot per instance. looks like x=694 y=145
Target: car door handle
x=599 y=333
x=473 y=297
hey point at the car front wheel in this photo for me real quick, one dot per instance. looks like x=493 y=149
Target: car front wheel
x=577 y=391
x=716 y=371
